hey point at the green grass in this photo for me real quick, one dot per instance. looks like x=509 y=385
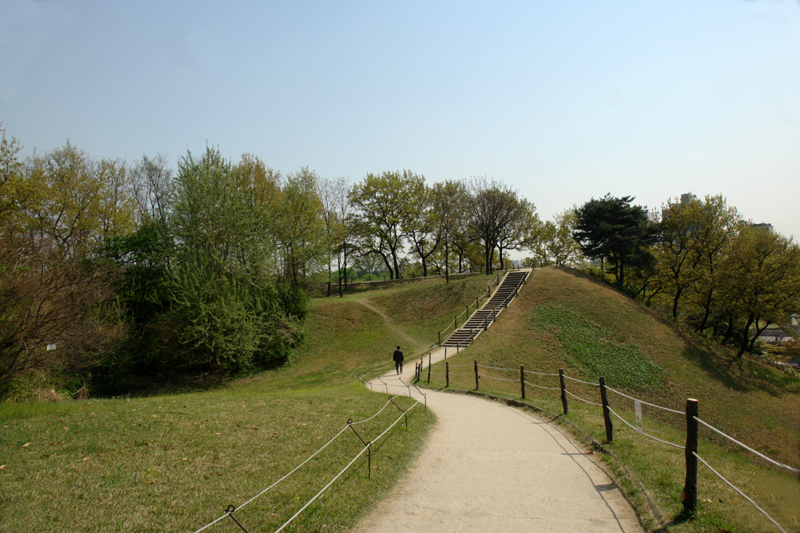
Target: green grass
x=174 y=462
x=564 y=319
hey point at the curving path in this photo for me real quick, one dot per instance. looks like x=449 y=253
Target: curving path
x=490 y=467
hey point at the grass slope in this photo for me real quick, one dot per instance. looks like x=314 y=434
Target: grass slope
x=565 y=319
x=175 y=462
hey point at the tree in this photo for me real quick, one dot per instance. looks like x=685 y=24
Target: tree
x=152 y=187
x=678 y=255
x=493 y=207
x=334 y=212
x=520 y=231
x=424 y=230
x=226 y=310
x=611 y=229
x=51 y=215
x=301 y=234
x=715 y=228
x=450 y=199
x=761 y=281
x=383 y=207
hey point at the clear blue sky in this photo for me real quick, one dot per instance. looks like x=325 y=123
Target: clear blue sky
x=564 y=101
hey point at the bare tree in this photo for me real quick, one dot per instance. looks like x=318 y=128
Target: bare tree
x=152 y=186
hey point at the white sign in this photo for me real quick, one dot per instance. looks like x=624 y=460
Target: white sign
x=51 y=347
x=637 y=405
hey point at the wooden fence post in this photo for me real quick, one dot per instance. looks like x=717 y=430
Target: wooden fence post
x=563 y=391
x=429 y=369
x=445 y=353
x=689 y=494
x=606 y=412
x=447 y=373
x=476 y=376
x=522 y=380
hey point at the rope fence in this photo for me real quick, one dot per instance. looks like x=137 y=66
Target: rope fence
x=583 y=399
x=645 y=433
x=689 y=495
x=791 y=469
x=366 y=449
x=742 y=494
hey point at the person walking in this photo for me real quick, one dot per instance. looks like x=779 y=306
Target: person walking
x=398 y=360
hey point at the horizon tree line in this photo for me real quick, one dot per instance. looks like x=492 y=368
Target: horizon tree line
x=138 y=269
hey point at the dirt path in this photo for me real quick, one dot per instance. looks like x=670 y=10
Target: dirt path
x=490 y=467
x=389 y=322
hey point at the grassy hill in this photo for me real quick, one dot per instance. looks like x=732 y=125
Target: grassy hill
x=174 y=462
x=565 y=319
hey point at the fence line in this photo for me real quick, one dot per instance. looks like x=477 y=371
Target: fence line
x=539 y=373
x=645 y=433
x=742 y=494
x=498 y=379
x=541 y=387
x=646 y=403
x=295 y=469
x=497 y=368
x=373 y=416
x=581 y=399
x=689 y=448
x=749 y=449
x=581 y=381
x=364 y=449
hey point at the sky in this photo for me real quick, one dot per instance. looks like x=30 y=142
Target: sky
x=563 y=101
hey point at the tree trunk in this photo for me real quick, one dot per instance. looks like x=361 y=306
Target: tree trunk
x=675 y=302
x=446 y=261
x=745 y=337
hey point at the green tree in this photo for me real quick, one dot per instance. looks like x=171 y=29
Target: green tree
x=424 y=230
x=553 y=243
x=450 y=199
x=383 y=210
x=716 y=225
x=224 y=304
x=611 y=229
x=301 y=231
x=761 y=281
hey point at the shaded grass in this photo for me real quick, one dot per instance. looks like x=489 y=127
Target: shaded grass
x=563 y=319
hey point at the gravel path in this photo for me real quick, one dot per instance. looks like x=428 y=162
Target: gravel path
x=490 y=467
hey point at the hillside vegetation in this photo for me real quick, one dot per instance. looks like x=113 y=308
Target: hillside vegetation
x=566 y=319
x=175 y=462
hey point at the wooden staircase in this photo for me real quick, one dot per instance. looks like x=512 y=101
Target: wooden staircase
x=483 y=317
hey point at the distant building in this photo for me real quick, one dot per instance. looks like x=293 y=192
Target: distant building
x=763 y=226
x=687 y=197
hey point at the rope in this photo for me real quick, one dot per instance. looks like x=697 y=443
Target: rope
x=581 y=399
x=580 y=381
x=646 y=403
x=495 y=368
x=373 y=416
x=452 y=374
x=454 y=366
x=742 y=494
x=344 y=470
x=540 y=387
x=647 y=434
x=498 y=379
x=274 y=484
x=295 y=468
x=540 y=373
x=323 y=489
x=749 y=449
